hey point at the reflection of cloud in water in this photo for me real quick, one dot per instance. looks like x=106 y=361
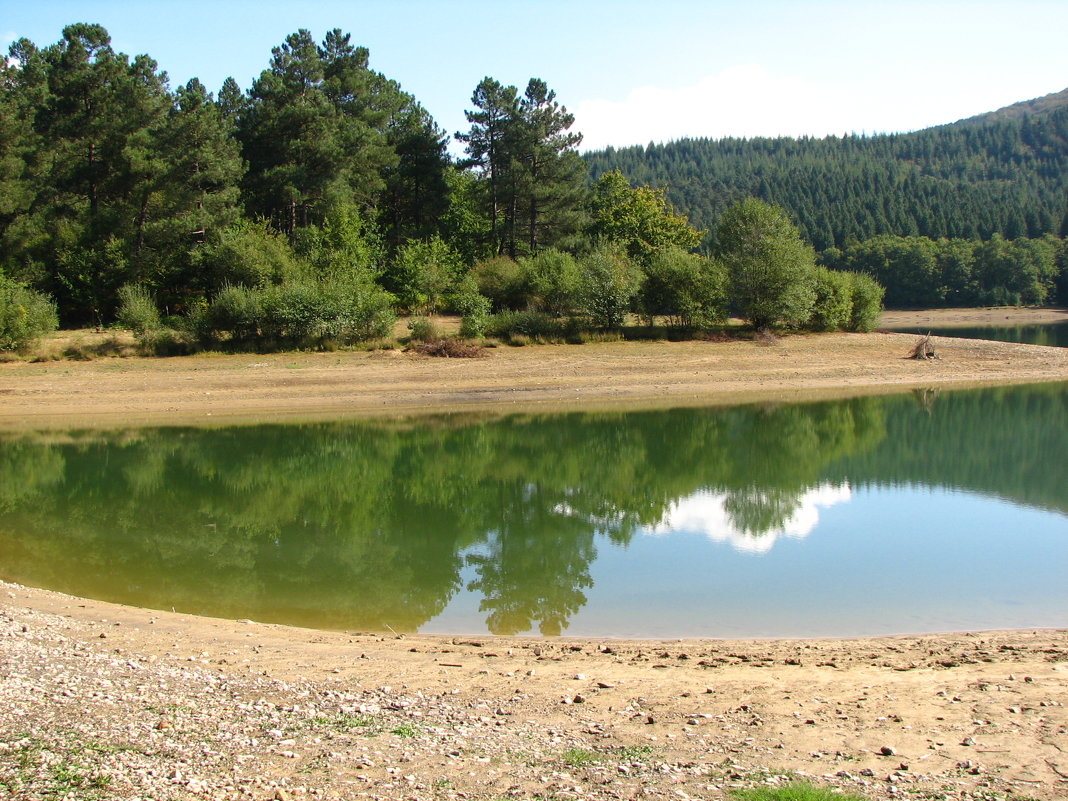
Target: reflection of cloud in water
x=707 y=513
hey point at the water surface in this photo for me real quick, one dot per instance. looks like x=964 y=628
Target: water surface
x=1052 y=334
x=920 y=512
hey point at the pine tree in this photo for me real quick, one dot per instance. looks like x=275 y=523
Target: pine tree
x=490 y=144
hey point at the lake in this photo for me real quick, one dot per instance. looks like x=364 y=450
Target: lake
x=1053 y=334
x=927 y=511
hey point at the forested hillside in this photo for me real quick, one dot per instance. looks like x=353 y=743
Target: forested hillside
x=310 y=208
x=1005 y=172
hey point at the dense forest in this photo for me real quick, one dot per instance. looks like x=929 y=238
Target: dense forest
x=318 y=203
x=1001 y=173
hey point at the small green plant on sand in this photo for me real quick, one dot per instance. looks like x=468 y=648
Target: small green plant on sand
x=799 y=791
x=632 y=753
x=347 y=721
x=579 y=757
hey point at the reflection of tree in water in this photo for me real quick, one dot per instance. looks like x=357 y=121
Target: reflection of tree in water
x=1008 y=442
x=756 y=512
x=777 y=454
x=534 y=567
x=279 y=523
x=28 y=469
x=362 y=525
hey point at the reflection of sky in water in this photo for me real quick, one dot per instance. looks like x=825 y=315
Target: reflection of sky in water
x=707 y=513
x=850 y=562
x=891 y=560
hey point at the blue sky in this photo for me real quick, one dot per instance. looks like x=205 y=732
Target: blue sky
x=632 y=72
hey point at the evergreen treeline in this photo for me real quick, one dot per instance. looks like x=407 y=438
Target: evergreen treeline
x=109 y=178
x=996 y=174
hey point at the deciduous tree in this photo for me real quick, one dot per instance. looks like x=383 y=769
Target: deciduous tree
x=771 y=269
x=638 y=218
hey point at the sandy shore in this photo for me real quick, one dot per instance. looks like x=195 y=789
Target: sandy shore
x=112 y=702
x=115 y=702
x=219 y=388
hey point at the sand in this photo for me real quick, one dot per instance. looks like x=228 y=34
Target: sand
x=163 y=705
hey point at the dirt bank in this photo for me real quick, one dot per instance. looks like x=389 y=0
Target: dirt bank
x=997 y=315
x=214 y=388
x=108 y=702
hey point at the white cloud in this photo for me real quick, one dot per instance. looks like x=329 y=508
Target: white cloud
x=705 y=513
x=748 y=101
x=744 y=100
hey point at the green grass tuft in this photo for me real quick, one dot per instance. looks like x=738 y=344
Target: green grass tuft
x=793 y=792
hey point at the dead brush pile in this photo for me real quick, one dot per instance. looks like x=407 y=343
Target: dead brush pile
x=449 y=349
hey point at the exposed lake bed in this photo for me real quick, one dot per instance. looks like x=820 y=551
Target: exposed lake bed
x=174 y=706
x=343 y=714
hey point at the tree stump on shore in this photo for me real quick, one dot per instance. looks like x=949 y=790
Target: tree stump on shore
x=924 y=350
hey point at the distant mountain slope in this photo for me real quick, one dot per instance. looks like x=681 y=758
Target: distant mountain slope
x=1040 y=105
x=1006 y=171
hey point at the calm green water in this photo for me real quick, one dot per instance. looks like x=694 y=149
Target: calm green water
x=919 y=512
x=1053 y=334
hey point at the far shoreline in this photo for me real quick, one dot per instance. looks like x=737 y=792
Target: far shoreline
x=973 y=317
x=214 y=389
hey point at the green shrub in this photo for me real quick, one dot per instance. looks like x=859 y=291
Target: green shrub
x=294 y=313
x=770 y=266
x=354 y=309
x=347 y=246
x=689 y=290
x=25 y=315
x=867 y=299
x=305 y=313
x=137 y=310
x=423 y=330
x=472 y=306
x=247 y=253
x=609 y=282
x=553 y=280
x=510 y=325
x=234 y=312
x=833 y=308
x=167 y=342
x=503 y=281
x=423 y=273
